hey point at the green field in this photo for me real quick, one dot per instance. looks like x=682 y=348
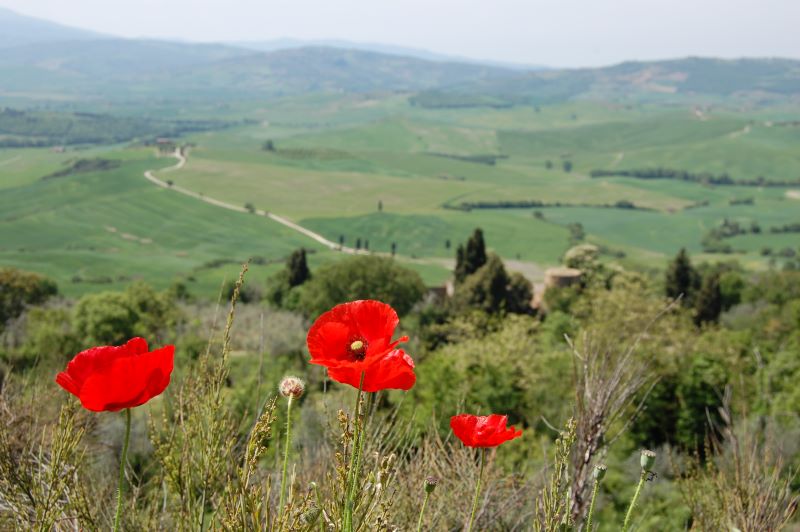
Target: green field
x=337 y=158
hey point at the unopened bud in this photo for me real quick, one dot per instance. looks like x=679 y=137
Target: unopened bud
x=647 y=460
x=431 y=483
x=292 y=387
x=310 y=516
x=599 y=472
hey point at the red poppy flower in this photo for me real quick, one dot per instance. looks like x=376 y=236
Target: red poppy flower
x=353 y=335
x=112 y=378
x=395 y=371
x=483 y=431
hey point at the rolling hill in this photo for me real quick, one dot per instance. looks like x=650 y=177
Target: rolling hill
x=21 y=30
x=649 y=81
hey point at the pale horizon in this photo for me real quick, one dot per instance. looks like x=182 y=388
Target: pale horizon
x=569 y=34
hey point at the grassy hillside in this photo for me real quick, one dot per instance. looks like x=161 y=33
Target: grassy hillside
x=94 y=230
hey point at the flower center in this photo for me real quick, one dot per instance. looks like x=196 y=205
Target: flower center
x=358 y=348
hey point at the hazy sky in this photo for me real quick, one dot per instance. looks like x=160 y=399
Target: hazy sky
x=548 y=32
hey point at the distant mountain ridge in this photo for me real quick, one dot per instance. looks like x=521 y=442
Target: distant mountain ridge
x=43 y=61
x=21 y=30
x=388 y=49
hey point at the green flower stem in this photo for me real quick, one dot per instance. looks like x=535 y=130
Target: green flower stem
x=285 y=455
x=422 y=511
x=591 y=506
x=477 y=490
x=351 y=471
x=629 y=514
x=122 y=467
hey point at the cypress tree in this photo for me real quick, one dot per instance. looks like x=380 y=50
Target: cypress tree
x=709 y=300
x=682 y=278
x=460 y=272
x=475 y=254
x=298 y=268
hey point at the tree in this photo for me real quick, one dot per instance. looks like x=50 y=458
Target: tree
x=519 y=294
x=358 y=243
x=460 y=272
x=268 y=145
x=394 y=248
x=19 y=289
x=485 y=289
x=366 y=244
x=491 y=289
x=297 y=267
x=567 y=166
x=708 y=305
x=682 y=279
x=341 y=240
x=380 y=206
x=361 y=277
x=548 y=164
x=447 y=244
x=475 y=253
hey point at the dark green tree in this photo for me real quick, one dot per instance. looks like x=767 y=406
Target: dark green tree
x=298 y=268
x=475 y=253
x=485 y=289
x=380 y=205
x=519 y=294
x=567 y=166
x=460 y=272
x=682 y=279
x=268 y=145
x=394 y=248
x=708 y=305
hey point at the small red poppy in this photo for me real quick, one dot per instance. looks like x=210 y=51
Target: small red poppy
x=353 y=335
x=395 y=371
x=483 y=431
x=111 y=378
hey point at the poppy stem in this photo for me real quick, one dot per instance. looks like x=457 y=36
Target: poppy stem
x=285 y=455
x=591 y=506
x=477 y=490
x=351 y=473
x=629 y=514
x=422 y=511
x=122 y=467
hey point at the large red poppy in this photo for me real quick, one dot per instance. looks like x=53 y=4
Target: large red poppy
x=111 y=378
x=353 y=335
x=483 y=431
x=394 y=371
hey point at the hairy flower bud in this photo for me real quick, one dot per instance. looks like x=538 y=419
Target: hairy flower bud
x=292 y=387
x=647 y=460
x=599 y=472
x=310 y=516
x=431 y=483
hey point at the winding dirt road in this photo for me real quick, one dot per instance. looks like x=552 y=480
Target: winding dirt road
x=178 y=154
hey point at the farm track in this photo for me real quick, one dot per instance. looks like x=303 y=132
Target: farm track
x=259 y=212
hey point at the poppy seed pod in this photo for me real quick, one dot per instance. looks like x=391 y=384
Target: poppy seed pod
x=292 y=387
x=599 y=472
x=647 y=460
x=431 y=483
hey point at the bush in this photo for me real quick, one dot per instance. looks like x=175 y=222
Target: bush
x=112 y=318
x=19 y=289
